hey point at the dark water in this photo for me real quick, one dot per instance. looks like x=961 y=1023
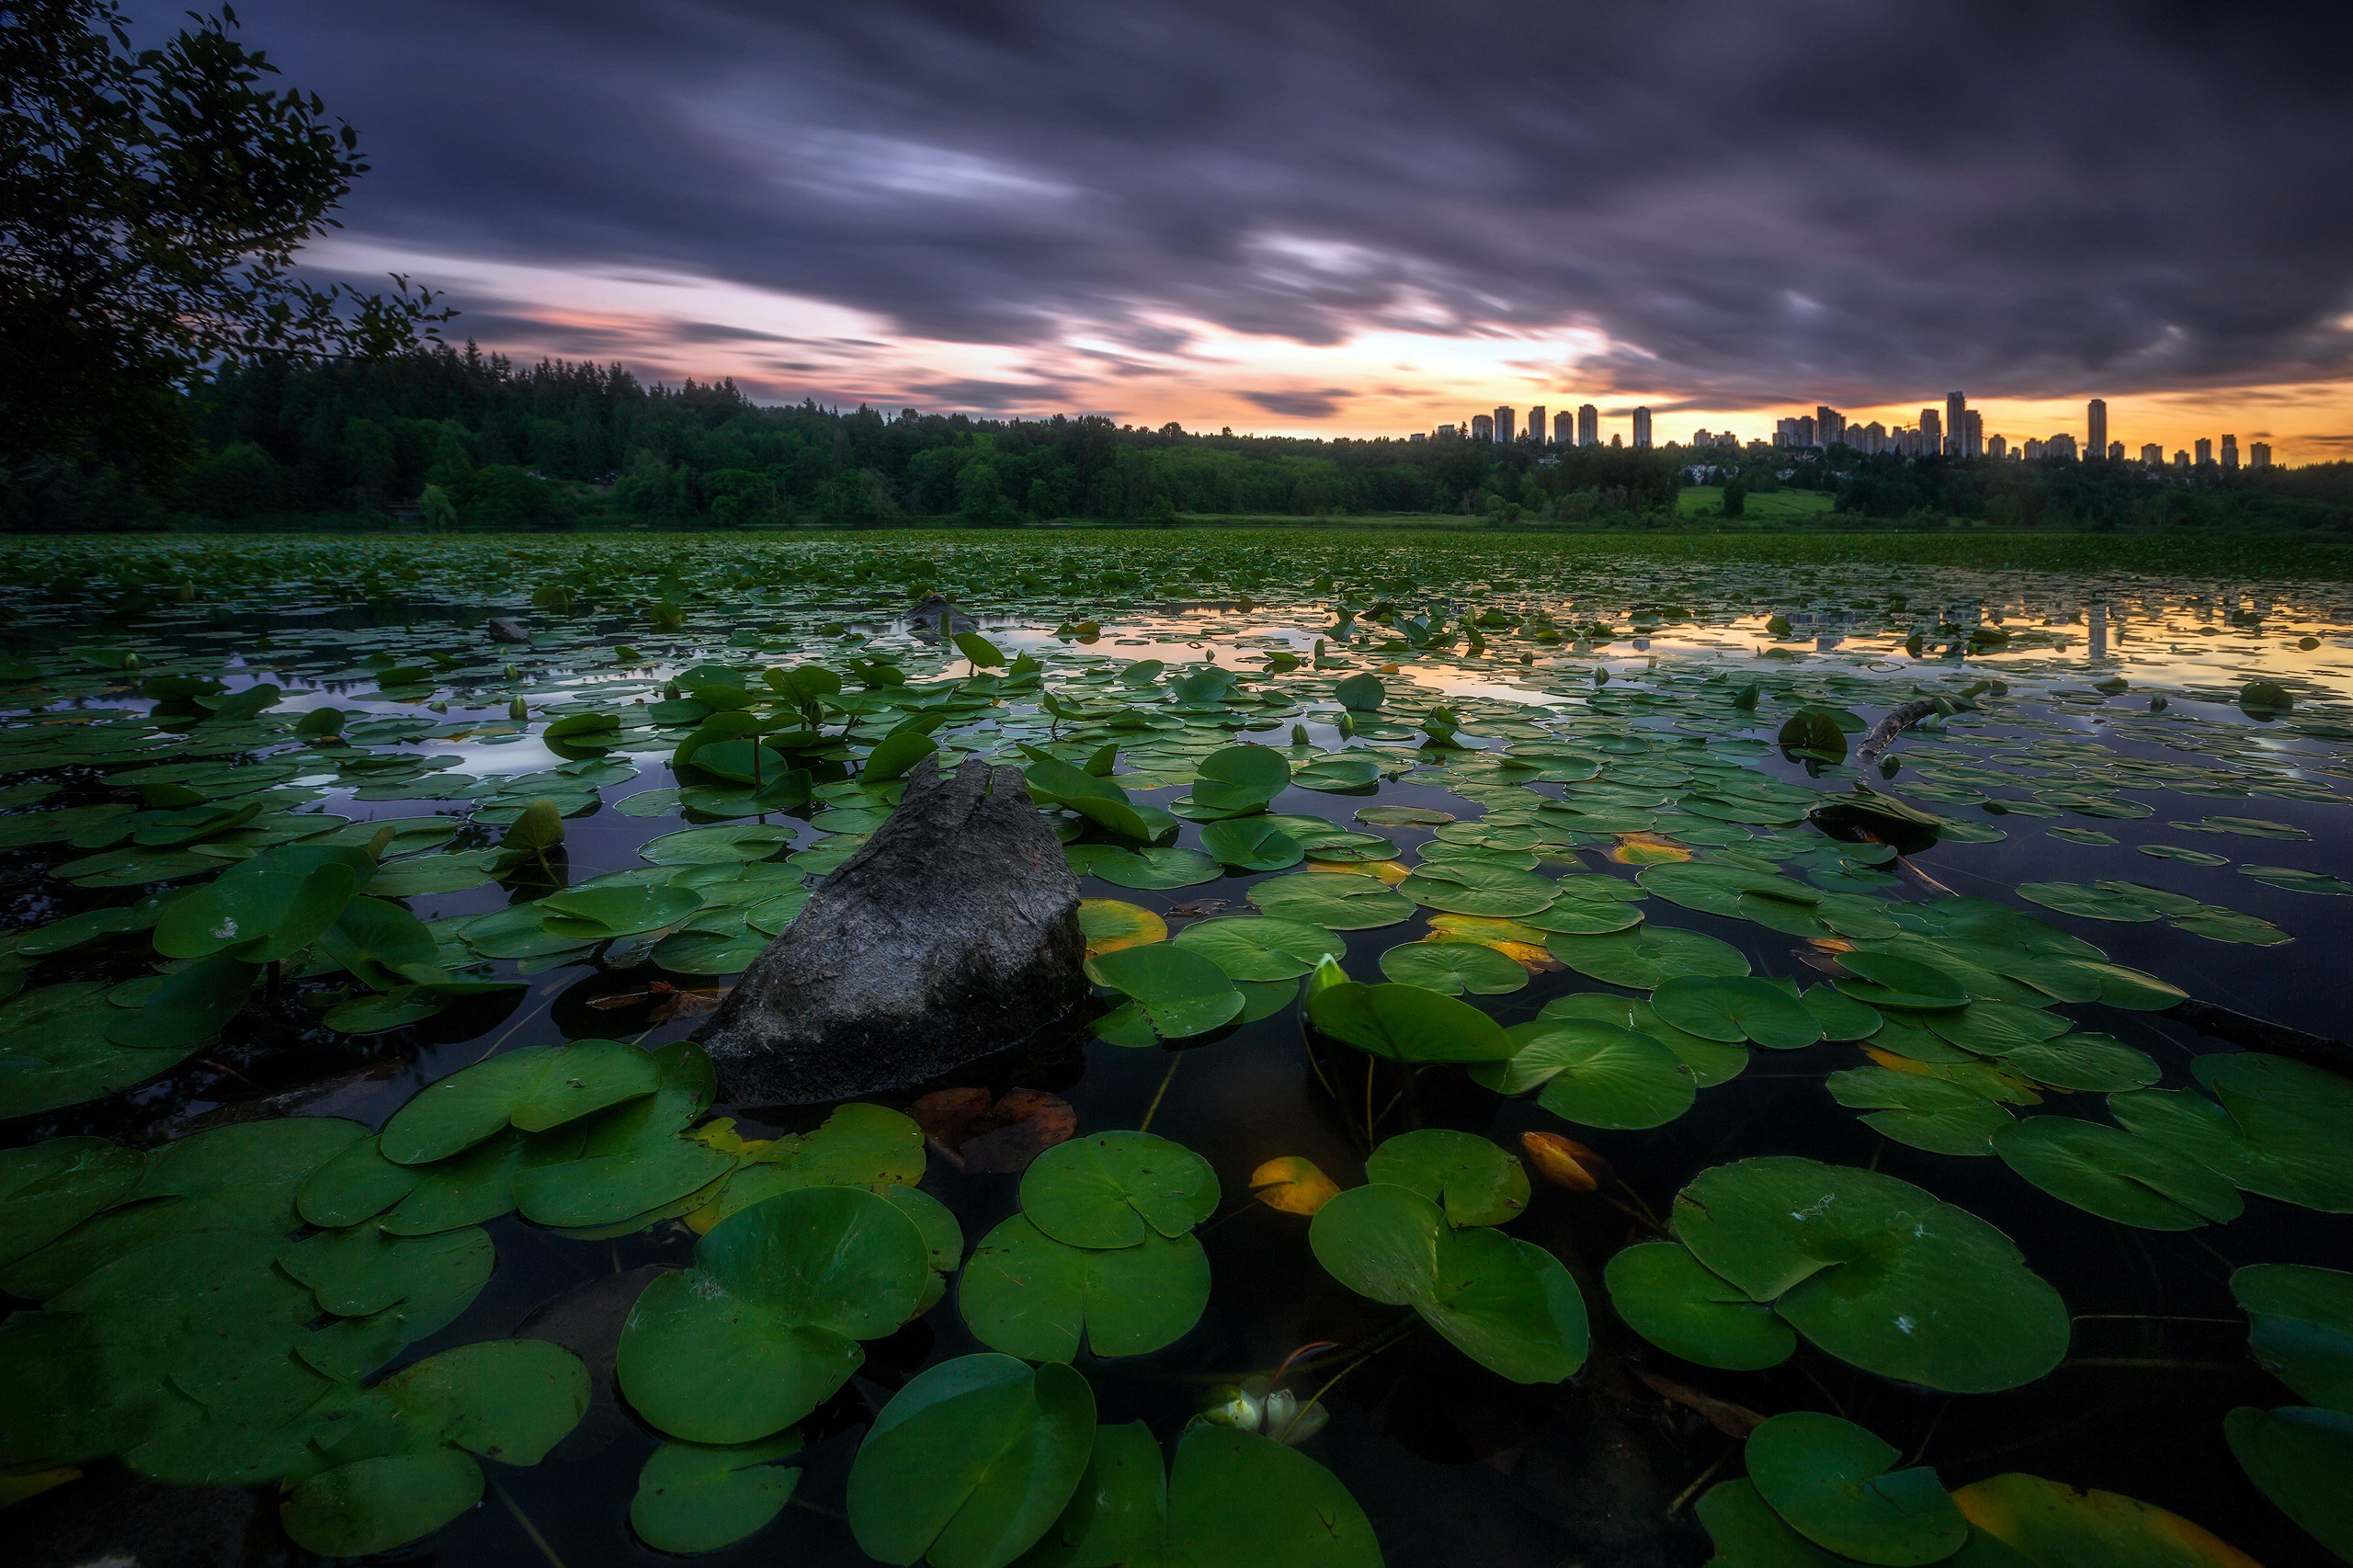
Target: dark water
x=1454 y=1464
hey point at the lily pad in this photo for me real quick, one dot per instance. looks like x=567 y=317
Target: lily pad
x=1473 y=1180
x=1470 y=887
x=1643 y=959
x=1454 y=968
x=2117 y=1175
x=694 y=1497
x=1029 y=1295
x=1594 y=1073
x=2299 y=1458
x=1831 y=1481
x=2301 y=1327
x=1736 y=1007
x=1180 y=992
x=1505 y=1303
x=1335 y=900
x=1876 y=1272
x=1926 y=1112
x=1407 y=1023
x=532 y=1090
x=1261 y=947
x=1150 y=867
x=1670 y=1298
x=2048 y=1523
x=1118 y=1189
x=1252 y=844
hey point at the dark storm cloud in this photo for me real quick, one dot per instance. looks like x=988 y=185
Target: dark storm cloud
x=1849 y=199
x=1298 y=404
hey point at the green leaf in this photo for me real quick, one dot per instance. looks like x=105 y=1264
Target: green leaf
x=1117 y=1190
x=1361 y=693
x=1747 y=1533
x=971 y=1462
x=2301 y=1327
x=1595 y=1073
x=533 y=1089
x=1260 y=947
x=1648 y=956
x=694 y=1497
x=895 y=753
x=1338 y=901
x=1927 y=1113
x=1030 y=1296
x=1236 y=781
x=1252 y=844
x=1830 y=1480
x=1407 y=1023
x=765 y=1326
x=1453 y=967
x=1670 y=1298
x=1151 y=866
x=1473 y=1180
x=1876 y=1272
x=1469 y=887
x=375 y=1504
x=2299 y=1458
x=1507 y=1304
x=1182 y=993
x=1238 y=1500
x=2049 y=1522
x=2116 y=1174
x=1723 y=1007
x=510 y=1399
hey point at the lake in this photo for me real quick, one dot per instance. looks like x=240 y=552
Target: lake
x=1678 y=1065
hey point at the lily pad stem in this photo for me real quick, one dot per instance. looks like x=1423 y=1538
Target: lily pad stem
x=1176 y=1059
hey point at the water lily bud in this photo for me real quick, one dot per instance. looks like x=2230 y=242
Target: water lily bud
x=1281 y=1406
x=517 y=710
x=1230 y=1405
x=1564 y=1162
x=1296 y=1422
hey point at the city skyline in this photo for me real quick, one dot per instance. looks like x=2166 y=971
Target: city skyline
x=1197 y=211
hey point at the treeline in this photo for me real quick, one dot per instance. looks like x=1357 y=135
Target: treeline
x=455 y=438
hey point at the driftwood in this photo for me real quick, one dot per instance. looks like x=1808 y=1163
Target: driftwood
x=951 y=935
x=1883 y=734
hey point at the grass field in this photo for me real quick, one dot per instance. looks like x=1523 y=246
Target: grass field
x=1708 y=501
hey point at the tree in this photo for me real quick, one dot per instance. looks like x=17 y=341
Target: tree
x=436 y=510
x=1735 y=499
x=150 y=205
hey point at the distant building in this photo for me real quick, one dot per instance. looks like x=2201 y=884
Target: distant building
x=2205 y=452
x=2152 y=455
x=1444 y=432
x=1999 y=446
x=2061 y=445
x=1616 y=441
x=2096 y=427
x=1482 y=427
x=2230 y=454
x=1932 y=431
x=2258 y=454
x=1565 y=429
x=1504 y=419
x=1956 y=425
x=2116 y=451
x=2181 y=459
x=1973 y=433
x=1588 y=425
x=2035 y=451
x=1417 y=436
x=1536 y=424
x=1641 y=427
x=1829 y=426
x=1872 y=438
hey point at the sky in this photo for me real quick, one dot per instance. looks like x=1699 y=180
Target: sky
x=1366 y=217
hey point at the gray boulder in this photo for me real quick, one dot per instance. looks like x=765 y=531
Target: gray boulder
x=950 y=935
x=503 y=630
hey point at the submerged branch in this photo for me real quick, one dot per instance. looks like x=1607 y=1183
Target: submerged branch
x=2259 y=1034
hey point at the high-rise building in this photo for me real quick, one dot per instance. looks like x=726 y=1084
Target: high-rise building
x=1956 y=425
x=1801 y=431
x=1482 y=427
x=1565 y=429
x=2181 y=459
x=1999 y=446
x=1536 y=424
x=2152 y=455
x=1643 y=428
x=1829 y=424
x=2035 y=451
x=2116 y=451
x=1417 y=436
x=2096 y=428
x=2062 y=445
x=2205 y=452
x=1588 y=425
x=1504 y=419
x=1932 y=430
x=1973 y=433
x=2230 y=454
x=2258 y=454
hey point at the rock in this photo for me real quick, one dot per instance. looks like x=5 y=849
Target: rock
x=504 y=630
x=951 y=935
x=935 y=617
x=111 y=1518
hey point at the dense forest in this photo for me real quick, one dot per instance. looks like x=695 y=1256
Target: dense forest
x=455 y=438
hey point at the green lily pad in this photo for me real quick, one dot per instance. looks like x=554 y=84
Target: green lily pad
x=1926 y=1112
x=1644 y=959
x=694 y=1498
x=1470 y=887
x=2047 y=1522
x=1150 y=867
x=2300 y=1457
x=2297 y=879
x=1236 y=781
x=375 y=1504
x=859 y=1145
x=1711 y=1061
x=532 y=1090
x=1260 y=947
x=1729 y=1009
x=2117 y=1175
x=1252 y=844
x=1667 y=1297
x=1505 y=1303
x=1473 y=1180
x=1117 y=1190
x=1407 y=1023
x=1453 y=967
x=1594 y=1073
x=1889 y=980
x=597 y=915
x=1029 y=1295
x=1180 y=992
x=1747 y=1533
x=2090 y=1061
x=1338 y=901
x=48 y=1187
x=971 y=1462
x=1876 y=1272
x=702 y=846
x=1831 y=1481
x=765 y=1326
x=2301 y=1327
x=2275 y=1127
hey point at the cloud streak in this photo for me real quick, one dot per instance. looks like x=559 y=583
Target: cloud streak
x=1738 y=206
